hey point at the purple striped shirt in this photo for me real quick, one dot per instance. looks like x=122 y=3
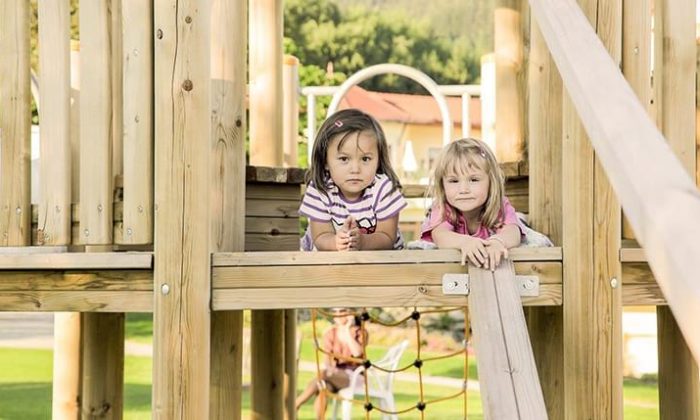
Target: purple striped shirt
x=378 y=202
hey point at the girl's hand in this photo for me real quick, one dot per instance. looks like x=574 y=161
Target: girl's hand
x=496 y=250
x=474 y=250
x=347 y=237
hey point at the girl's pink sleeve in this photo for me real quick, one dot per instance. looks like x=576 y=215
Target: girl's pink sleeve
x=510 y=218
x=433 y=220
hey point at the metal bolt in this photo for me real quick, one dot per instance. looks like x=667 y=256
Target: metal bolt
x=136 y=118
x=187 y=85
x=613 y=283
x=128 y=231
x=423 y=289
x=99 y=208
x=636 y=50
x=18 y=210
x=86 y=232
x=159 y=34
x=58 y=209
x=188 y=19
x=529 y=284
x=140 y=209
x=136 y=52
x=165 y=289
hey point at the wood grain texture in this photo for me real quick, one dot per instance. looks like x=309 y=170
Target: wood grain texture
x=103 y=365
x=228 y=192
x=15 y=120
x=55 y=146
x=618 y=124
x=182 y=82
x=510 y=387
x=371 y=296
x=137 y=110
x=96 y=177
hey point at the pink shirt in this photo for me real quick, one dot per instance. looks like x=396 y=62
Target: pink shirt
x=435 y=219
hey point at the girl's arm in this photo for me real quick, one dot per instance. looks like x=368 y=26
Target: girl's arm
x=383 y=237
x=471 y=248
x=497 y=245
x=326 y=239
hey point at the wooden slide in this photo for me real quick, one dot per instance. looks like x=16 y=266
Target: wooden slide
x=510 y=388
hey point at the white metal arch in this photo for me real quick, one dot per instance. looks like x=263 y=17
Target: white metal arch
x=405 y=71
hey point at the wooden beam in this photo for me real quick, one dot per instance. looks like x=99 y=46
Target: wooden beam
x=103 y=365
x=265 y=96
x=510 y=89
x=674 y=74
x=77 y=301
x=96 y=192
x=229 y=26
x=370 y=296
x=15 y=124
x=54 y=227
x=546 y=324
x=77 y=260
x=137 y=58
x=510 y=387
x=249 y=259
x=67 y=381
x=182 y=281
x=659 y=204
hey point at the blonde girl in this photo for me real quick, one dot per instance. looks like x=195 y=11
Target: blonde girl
x=470 y=211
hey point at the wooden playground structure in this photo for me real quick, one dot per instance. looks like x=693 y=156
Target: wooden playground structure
x=146 y=204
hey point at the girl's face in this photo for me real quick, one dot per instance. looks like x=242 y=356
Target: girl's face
x=353 y=165
x=467 y=191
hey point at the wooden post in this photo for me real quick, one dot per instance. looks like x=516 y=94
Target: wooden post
x=182 y=273
x=137 y=18
x=15 y=124
x=96 y=193
x=636 y=61
x=75 y=124
x=290 y=107
x=227 y=146
x=67 y=385
x=291 y=348
x=510 y=91
x=103 y=366
x=103 y=334
x=267 y=364
x=679 y=388
x=591 y=237
x=545 y=203
x=265 y=96
x=116 y=58
x=54 y=224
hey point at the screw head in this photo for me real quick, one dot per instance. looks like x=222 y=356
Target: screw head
x=165 y=289
x=614 y=283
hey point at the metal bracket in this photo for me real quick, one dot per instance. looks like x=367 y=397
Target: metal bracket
x=458 y=284
x=455 y=284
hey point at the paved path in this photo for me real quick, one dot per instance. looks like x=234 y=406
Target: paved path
x=35 y=330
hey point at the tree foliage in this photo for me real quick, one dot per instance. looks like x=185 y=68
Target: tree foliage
x=323 y=35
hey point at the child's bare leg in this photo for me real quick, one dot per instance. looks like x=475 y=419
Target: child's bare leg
x=310 y=391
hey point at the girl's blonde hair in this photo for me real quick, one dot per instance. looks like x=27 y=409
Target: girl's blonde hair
x=457 y=158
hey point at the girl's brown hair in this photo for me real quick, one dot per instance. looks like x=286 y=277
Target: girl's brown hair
x=458 y=157
x=344 y=123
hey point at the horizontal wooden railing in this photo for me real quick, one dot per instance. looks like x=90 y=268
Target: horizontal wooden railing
x=660 y=199
x=51 y=279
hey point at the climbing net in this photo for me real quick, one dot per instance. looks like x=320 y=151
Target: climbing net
x=366 y=365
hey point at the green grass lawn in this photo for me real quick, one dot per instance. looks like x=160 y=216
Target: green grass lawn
x=25 y=392
x=25 y=383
